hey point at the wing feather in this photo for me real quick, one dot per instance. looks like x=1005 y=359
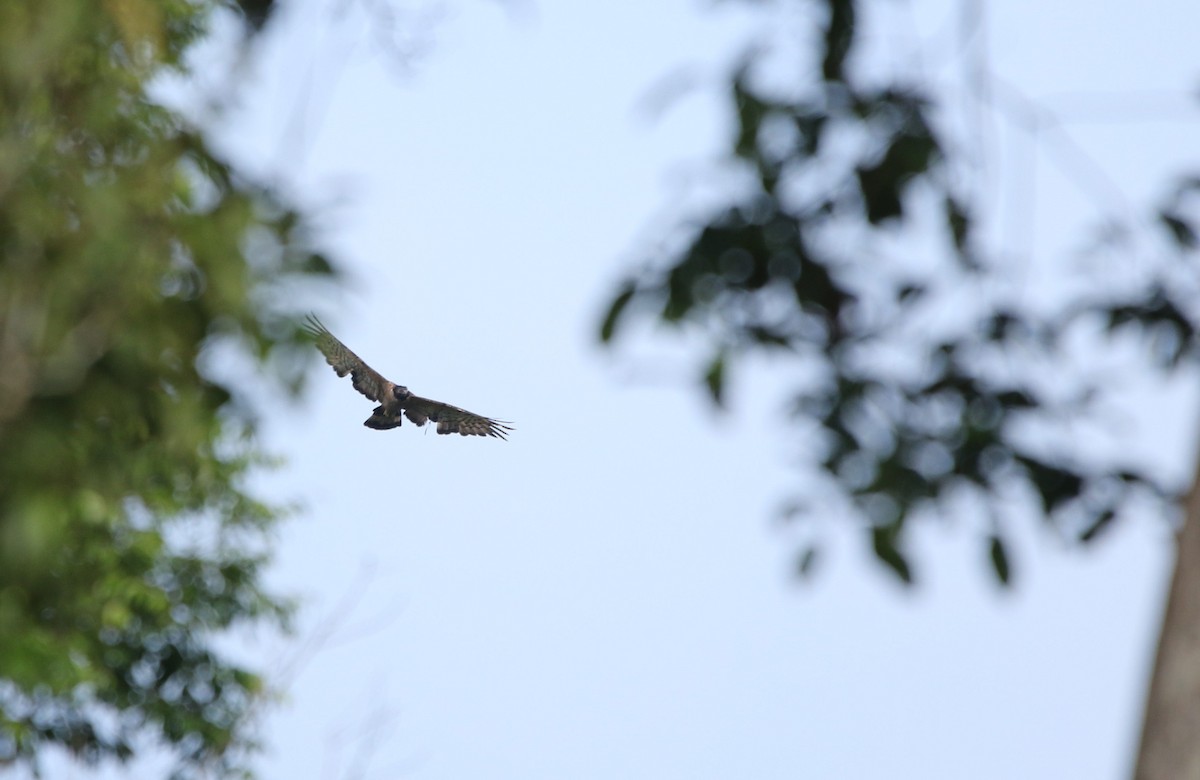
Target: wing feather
x=451 y=419
x=365 y=379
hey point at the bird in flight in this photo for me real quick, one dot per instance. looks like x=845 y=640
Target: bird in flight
x=395 y=399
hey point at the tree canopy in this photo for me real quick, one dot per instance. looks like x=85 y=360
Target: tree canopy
x=136 y=267
x=854 y=249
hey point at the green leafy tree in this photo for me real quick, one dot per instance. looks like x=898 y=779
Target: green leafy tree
x=136 y=267
x=928 y=390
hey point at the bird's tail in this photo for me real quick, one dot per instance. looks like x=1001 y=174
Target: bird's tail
x=382 y=422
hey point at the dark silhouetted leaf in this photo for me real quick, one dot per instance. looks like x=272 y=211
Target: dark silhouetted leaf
x=911 y=292
x=714 y=379
x=810 y=124
x=883 y=541
x=839 y=36
x=883 y=184
x=767 y=337
x=959 y=223
x=1181 y=230
x=1055 y=485
x=1170 y=331
x=881 y=193
x=999 y=558
x=1001 y=325
x=622 y=299
x=256 y=13
x=316 y=263
x=807 y=561
x=1016 y=399
x=1098 y=525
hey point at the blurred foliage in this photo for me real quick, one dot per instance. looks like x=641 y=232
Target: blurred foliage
x=130 y=256
x=922 y=390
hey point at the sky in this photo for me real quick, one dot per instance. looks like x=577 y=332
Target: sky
x=607 y=594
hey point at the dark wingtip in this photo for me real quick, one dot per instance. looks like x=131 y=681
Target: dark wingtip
x=313 y=326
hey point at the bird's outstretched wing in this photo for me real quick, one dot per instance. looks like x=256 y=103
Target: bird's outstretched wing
x=366 y=380
x=451 y=419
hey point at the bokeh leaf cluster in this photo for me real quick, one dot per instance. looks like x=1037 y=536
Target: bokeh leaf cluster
x=855 y=255
x=139 y=274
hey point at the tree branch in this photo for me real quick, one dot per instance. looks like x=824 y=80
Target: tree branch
x=1169 y=746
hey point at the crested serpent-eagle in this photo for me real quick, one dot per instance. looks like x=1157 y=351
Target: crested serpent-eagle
x=395 y=400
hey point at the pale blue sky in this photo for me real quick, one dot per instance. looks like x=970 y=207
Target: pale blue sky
x=605 y=595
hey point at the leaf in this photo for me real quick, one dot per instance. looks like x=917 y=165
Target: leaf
x=714 y=379
x=622 y=299
x=319 y=264
x=807 y=561
x=909 y=155
x=1016 y=399
x=1098 y=525
x=1169 y=330
x=751 y=110
x=256 y=13
x=839 y=37
x=999 y=558
x=768 y=337
x=883 y=541
x=809 y=123
x=816 y=289
x=958 y=221
x=1055 y=485
x=1001 y=325
x=1181 y=230
x=881 y=196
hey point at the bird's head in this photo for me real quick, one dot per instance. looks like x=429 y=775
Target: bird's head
x=401 y=393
